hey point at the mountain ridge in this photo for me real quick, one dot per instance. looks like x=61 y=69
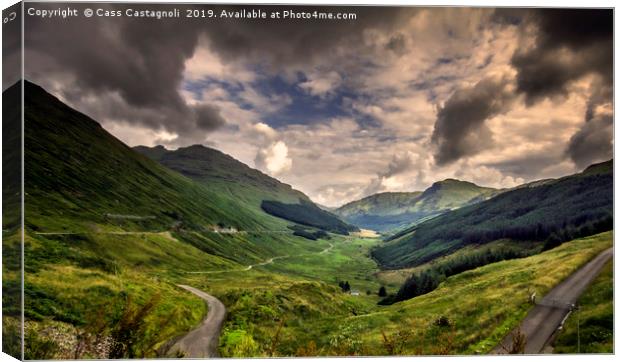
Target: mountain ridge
x=388 y=211
x=545 y=212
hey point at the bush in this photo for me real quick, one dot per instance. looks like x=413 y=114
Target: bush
x=442 y=321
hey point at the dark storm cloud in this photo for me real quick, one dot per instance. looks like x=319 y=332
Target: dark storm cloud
x=397 y=44
x=529 y=167
x=398 y=165
x=570 y=43
x=594 y=141
x=291 y=42
x=135 y=66
x=208 y=117
x=460 y=129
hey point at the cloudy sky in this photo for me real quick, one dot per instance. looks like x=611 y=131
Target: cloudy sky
x=392 y=101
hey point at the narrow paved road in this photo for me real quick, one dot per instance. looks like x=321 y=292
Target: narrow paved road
x=544 y=319
x=203 y=341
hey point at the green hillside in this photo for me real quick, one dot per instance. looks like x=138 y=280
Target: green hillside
x=223 y=172
x=549 y=212
x=261 y=193
x=394 y=210
x=109 y=230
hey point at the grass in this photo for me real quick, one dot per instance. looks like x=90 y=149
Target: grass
x=596 y=319
x=484 y=304
x=293 y=306
x=305 y=317
x=73 y=295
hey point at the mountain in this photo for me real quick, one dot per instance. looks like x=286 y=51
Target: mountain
x=546 y=213
x=76 y=174
x=260 y=192
x=394 y=210
x=81 y=180
x=223 y=172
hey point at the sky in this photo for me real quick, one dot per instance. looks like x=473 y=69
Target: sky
x=392 y=101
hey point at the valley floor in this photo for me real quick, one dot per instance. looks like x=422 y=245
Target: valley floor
x=293 y=305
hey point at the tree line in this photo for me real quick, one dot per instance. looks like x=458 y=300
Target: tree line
x=308 y=214
x=429 y=279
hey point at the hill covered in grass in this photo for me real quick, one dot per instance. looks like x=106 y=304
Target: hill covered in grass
x=394 y=210
x=549 y=212
x=260 y=192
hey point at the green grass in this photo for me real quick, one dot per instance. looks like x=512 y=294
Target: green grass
x=316 y=318
x=299 y=297
x=484 y=304
x=595 y=318
x=348 y=260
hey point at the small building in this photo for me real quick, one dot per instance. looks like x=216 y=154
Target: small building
x=355 y=292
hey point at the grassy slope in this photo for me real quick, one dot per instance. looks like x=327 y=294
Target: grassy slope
x=596 y=319
x=226 y=176
x=393 y=210
x=300 y=292
x=75 y=177
x=11 y=221
x=398 y=276
x=519 y=212
x=484 y=304
x=317 y=319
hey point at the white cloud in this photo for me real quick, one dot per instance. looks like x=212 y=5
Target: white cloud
x=398 y=77
x=135 y=135
x=274 y=159
x=207 y=64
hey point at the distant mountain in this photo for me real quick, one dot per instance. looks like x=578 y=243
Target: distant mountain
x=393 y=210
x=260 y=192
x=547 y=212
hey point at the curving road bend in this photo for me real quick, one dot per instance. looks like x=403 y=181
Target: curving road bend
x=543 y=320
x=203 y=341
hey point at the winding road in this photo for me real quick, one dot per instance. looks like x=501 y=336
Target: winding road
x=544 y=319
x=203 y=341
